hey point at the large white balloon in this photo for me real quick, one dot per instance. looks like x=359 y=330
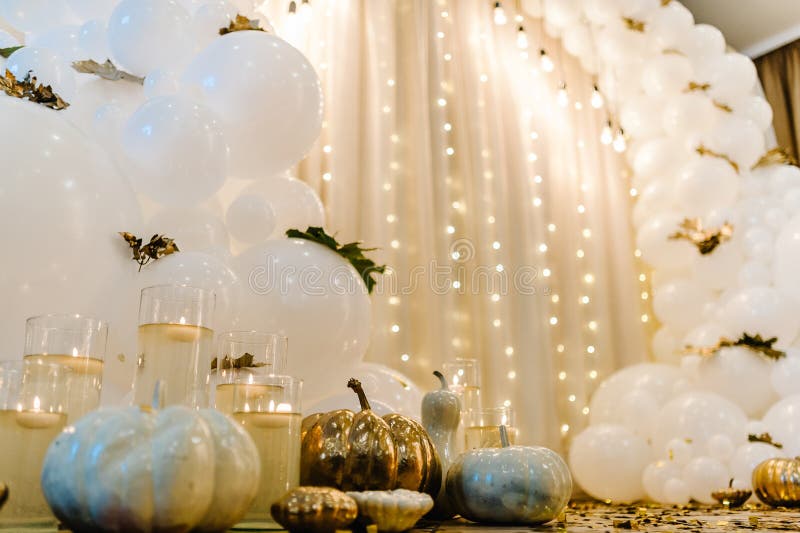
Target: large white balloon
x=250 y=219
x=704 y=475
x=742 y=377
x=669 y=25
x=33 y=15
x=698 y=416
x=731 y=76
x=689 y=113
x=706 y=184
x=294 y=203
x=65 y=40
x=762 y=310
x=60 y=212
x=667 y=345
x=308 y=293
x=195 y=229
x=658 y=249
x=48 y=66
x=666 y=75
x=680 y=302
x=608 y=461
x=176 y=150
x=782 y=421
x=719 y=269
x=659 y=157
x=738 y=138
x=147 y=34
x=384 y=386
x=258 y=84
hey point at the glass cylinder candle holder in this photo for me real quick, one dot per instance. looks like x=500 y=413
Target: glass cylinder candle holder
x=268 y=407
x=33 y=400
x=175 y=343
x=483 y=427
x=242 y=354
x=77 y=342
x=463 y=377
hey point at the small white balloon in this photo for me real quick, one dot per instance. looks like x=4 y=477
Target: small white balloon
x=679 y=302
x=195 y=229
x=783 y=424
x=785 y=376
x=294 y=203
x=666 y=75
x=655 y=477
x=706 y=334
x=702 y=42
x=706 y=184
x=754 y=273
x=720 y=447
x=762 y=310
x=738 y=138
x=667 y=345
x=731 y=77
x=65 y=40
x=33 y=15
x=781 y=178
x=658 y=249
x=719 y=269
x=657 y=380
x=755 y=108
x=678 y=451
x=250 y=219
x=704 y=475
x=208 y=18
x=676 y=492
x=689 y=113
x=48 y=66
x=160 y=82
x=93 y=40
x=638 y=119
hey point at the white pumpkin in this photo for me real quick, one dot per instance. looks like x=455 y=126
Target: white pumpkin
x=144 y=470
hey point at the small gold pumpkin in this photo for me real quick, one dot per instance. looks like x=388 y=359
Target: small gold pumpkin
x=776 y=482
x=362 y=451
x=315 y=510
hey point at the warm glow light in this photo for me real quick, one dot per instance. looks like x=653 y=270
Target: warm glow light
x=619 y=142
x=607 y=134
x=404 y=357
x=522 y=39
x=545 y=62
x=562 y=375
x=562 y=97
x=37 y=403
x=74 y=352
x=597 y=98
x=553 y=320
x=499 y=14
x=395 y=328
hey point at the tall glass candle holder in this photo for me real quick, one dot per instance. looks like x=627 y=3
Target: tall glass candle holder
x=77 y=342
x=174 y=344
x=483 y=427
x=268 y=407
x=33 y=400
x=463 y=378
x=240 y=355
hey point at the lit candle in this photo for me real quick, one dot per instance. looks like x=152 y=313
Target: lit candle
x=183 y=332
x=36 y=418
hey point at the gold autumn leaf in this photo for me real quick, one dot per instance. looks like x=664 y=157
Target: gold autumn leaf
x=246 y=360
x=241 y=23
x=706 y=240
x=107 y=71
x=766 y=438
x=754 y=343
x=29 y=88
x=158 y=247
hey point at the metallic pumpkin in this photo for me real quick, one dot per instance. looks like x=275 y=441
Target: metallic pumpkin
x=776 y=482
x=315 y=510
x=362 y=451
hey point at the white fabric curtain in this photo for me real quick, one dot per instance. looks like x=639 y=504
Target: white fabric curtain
x=503 y=218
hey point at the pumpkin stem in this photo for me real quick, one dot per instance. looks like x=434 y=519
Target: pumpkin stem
x=441 y=379
x=730 y=484
x=504 y=442
x=159 y=393
x=362 y=398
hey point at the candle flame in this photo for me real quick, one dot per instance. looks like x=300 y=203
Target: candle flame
x=250 y=379
x=246 y=407
x=283 y=408
x=182 y=321
x=37 y=403
x=19 y=407
x=271 y=407
x=75 y=352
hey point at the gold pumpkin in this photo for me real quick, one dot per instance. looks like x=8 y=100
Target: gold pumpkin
x=362 y=451
x=776 y=482
x=315 y=510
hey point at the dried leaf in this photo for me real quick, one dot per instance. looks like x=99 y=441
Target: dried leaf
x=754 y=343
x=706 y=240
x=705 y=151
x=766 y=438
x=722 y=106
x=158 y=247
x=246 y=360
x=6 y=52
x=694 y=86
x=28 y=88
x=242 y=23
x=633 y=24
x=353 y=252
x=107 y=71
x=776 y=156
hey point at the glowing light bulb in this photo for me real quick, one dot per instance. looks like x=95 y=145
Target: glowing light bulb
x=597 y=98
x=607 y=135
x=522 y=38
x=545 y=62
x=500 y=17
x=305 y=10
x=619 y=143
x=562 y=97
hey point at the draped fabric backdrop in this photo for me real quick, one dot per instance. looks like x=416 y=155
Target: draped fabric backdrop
x=504 y=219
x=780 y=76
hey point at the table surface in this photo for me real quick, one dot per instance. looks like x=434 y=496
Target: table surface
x=593 y=517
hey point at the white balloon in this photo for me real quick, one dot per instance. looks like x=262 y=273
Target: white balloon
x=706 y=184
x=33 y=15
x=742 y=377
x=704 y=475
x=698 y=416
x=658 y=196
x=781 y=178
x=48 y=66
x=720 y=447
x=787 y=257
x=791 y=201
x=294 y=203
x=666 y=75
x=703 y=41
x=738 y=138
x=669 y=26
x=562 y=13
x=658 y=250
x=689 y=113
x=655 y=477
x=600 y=12
x=679 y=303
x=73 y=202
x=658 y=157
x=754 y=273
x=785 y=376
x=259 y=83
x=195 y=229
x=783 y=424
x=762 y=310
x=755 y=108
x=250 y=219
x=756 y=427
x=747 y=457
x=731 y=76
x=315 y=290
x=667 y=345
x=208 y=18
x=93 y=40
x=176 y=150
x=160 y=82
x=676 y=492
x=679 y=451
x=720 y=268
x=95 y=93
x=608 y=461
x=91 y=9
x=577 y=40
x=382 y=384
x=656 y=380
x=65 y=40
x=706 y=334
x=638 y=119
x=147 y=34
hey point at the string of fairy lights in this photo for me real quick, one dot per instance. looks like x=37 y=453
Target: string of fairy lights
x=534 y=50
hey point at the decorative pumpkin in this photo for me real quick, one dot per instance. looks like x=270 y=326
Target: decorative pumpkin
x=776 y=482
x=362 y=451
x=731 y=497
x=315 y=510
x=441 y=415
x=139 y=469
x=391 y=511
x=509 y=485
x=3 y=494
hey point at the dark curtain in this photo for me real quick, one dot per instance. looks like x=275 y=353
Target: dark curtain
x=780 y=75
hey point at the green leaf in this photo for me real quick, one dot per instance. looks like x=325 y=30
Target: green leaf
x=352 y=252
x=5 y=52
